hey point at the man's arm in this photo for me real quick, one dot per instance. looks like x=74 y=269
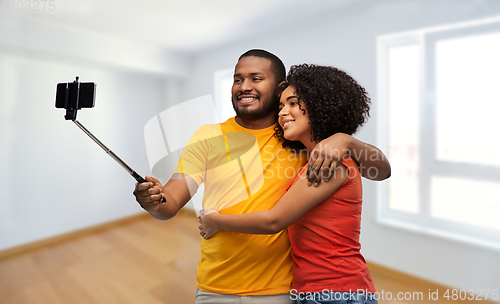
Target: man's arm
x=177 y=192
x=326 y=156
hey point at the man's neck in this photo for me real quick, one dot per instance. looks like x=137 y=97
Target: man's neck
x=257 y=124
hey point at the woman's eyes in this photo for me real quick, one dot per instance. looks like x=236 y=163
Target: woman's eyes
x=290 y=103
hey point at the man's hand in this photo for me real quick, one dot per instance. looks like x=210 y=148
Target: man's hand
x=208 y=226
x=150 y=194
x=326 y=156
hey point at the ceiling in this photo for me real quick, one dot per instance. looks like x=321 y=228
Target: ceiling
x=188 y=25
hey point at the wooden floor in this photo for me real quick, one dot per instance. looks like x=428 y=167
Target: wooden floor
x=142 y=261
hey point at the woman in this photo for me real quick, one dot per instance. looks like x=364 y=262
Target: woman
x=323 y=222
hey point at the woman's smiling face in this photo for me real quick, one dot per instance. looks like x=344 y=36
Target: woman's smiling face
x=293 y=117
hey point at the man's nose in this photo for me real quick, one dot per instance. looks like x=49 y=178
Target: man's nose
x=246 y=85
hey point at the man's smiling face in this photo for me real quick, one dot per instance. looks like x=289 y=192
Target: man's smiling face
x=254 y=89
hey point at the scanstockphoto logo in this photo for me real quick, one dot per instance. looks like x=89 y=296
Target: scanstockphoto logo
x=188 y=135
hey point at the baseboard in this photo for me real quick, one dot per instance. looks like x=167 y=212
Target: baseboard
x=17 y=250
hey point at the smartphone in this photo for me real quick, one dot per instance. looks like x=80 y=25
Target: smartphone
x=74 y=96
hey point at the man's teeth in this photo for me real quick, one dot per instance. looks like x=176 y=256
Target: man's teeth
x=248 y=98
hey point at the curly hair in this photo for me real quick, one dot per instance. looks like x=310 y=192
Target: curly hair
x=334 y=100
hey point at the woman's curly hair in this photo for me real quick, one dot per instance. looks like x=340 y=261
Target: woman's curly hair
x=334 y=100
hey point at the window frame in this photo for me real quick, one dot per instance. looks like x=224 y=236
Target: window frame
x=222 y=99
x=429 y=164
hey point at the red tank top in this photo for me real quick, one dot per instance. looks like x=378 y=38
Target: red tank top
x=325 y=241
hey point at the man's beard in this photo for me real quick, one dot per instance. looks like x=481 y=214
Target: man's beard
x=250 y=114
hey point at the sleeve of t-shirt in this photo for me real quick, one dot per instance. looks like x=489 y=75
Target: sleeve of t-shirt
x=193 y=160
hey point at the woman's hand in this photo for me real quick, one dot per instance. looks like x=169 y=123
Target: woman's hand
x=208 y=225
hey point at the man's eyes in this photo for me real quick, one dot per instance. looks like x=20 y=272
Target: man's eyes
x=253 y=79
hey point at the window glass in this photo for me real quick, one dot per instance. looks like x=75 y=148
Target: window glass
x=467 y=99
x=466 y=201
x=403 y=128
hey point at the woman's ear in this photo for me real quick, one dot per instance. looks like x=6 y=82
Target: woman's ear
x=283 y=85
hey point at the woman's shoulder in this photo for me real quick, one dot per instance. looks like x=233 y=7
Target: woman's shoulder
x=351 y=166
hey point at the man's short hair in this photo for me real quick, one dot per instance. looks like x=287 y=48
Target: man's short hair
x=277 y=66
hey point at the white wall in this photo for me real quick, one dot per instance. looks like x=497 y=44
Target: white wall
x=53 y=178
x=347 y=39
x=32 y=37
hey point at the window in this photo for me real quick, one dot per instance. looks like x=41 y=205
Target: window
x=223 y=82
x=439 y=107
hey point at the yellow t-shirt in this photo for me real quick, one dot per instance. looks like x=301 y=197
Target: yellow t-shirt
x=243 y=170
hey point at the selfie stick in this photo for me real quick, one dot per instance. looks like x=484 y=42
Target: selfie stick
x=134 y=174
x=137 y=177
x=71 y=115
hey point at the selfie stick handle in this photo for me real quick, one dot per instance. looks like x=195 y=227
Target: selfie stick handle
x=134 y=174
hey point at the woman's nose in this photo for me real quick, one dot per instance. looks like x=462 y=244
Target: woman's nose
x=283 y=112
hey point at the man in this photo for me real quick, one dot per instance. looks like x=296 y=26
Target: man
x=235 y=265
